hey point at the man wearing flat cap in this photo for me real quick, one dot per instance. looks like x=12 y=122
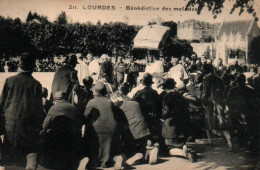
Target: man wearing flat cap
x=21 y=108
x=65 y=77
x=100 y=127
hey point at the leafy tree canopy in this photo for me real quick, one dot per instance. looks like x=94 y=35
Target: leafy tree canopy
x=216 y=6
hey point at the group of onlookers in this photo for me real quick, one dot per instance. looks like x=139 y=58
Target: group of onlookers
x=111 y=114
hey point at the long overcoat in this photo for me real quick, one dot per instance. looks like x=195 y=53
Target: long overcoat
x=21 y=105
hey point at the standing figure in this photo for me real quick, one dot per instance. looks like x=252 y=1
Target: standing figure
x=64 y=77
x=107 y=68
x=94 y=68
x=220 y=68
x=21 y=105
x=119 y=69
x=82 y=69
x=235 y=68
x=241 y=101
x=132 y=71
x=213 y=99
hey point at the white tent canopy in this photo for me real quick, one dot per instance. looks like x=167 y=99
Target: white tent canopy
x=149 y=37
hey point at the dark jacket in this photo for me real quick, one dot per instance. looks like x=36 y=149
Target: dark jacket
x=148 y=101
x=63 y=80
x=107 y=68
x=213 y=99
x=137 y=125
x=175 y=114
x=63 y=108
x=99 y=113
x=61 y=149
x=132 y=70
x=21 y=104
x=213 y=89
x=241 y=99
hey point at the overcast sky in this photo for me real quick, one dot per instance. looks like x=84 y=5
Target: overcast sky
x=51 y=9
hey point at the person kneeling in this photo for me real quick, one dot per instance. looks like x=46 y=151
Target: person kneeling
x=175 y=122
x=61 y=136
x=137 y=137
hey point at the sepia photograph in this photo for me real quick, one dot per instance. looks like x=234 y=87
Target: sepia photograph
x=129 y=84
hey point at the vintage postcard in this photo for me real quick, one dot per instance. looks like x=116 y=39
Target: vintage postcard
x=115 y=44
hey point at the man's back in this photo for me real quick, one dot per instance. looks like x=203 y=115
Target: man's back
x=99 y=111
x=21 y=96
x=62 y=79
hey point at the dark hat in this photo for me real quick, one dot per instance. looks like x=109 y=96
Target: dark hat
x=71 y=59
x=87 y=81
x=169 y=84
x=99 y=88
x=208 y=68
x=147 y=79
x=241 y=78
x=60 y=95
x=27 y=61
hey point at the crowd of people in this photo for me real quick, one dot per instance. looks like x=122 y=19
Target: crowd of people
x=116 y=114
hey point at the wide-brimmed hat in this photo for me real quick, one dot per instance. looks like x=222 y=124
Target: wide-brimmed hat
x=99 y=88
x=27 y=60
x=60 y=95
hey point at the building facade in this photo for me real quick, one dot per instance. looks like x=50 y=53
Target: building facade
x=234 y=40
x=194 y=30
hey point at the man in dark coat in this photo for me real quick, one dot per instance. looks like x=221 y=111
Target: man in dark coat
x=63 y=123
x=213 y=99
x=100 y=127
x=235 y=68
x=241 y=102
x=21 y=106
x=149 y=104
x=64 y=77
x=106 y=67
x=132 y=71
